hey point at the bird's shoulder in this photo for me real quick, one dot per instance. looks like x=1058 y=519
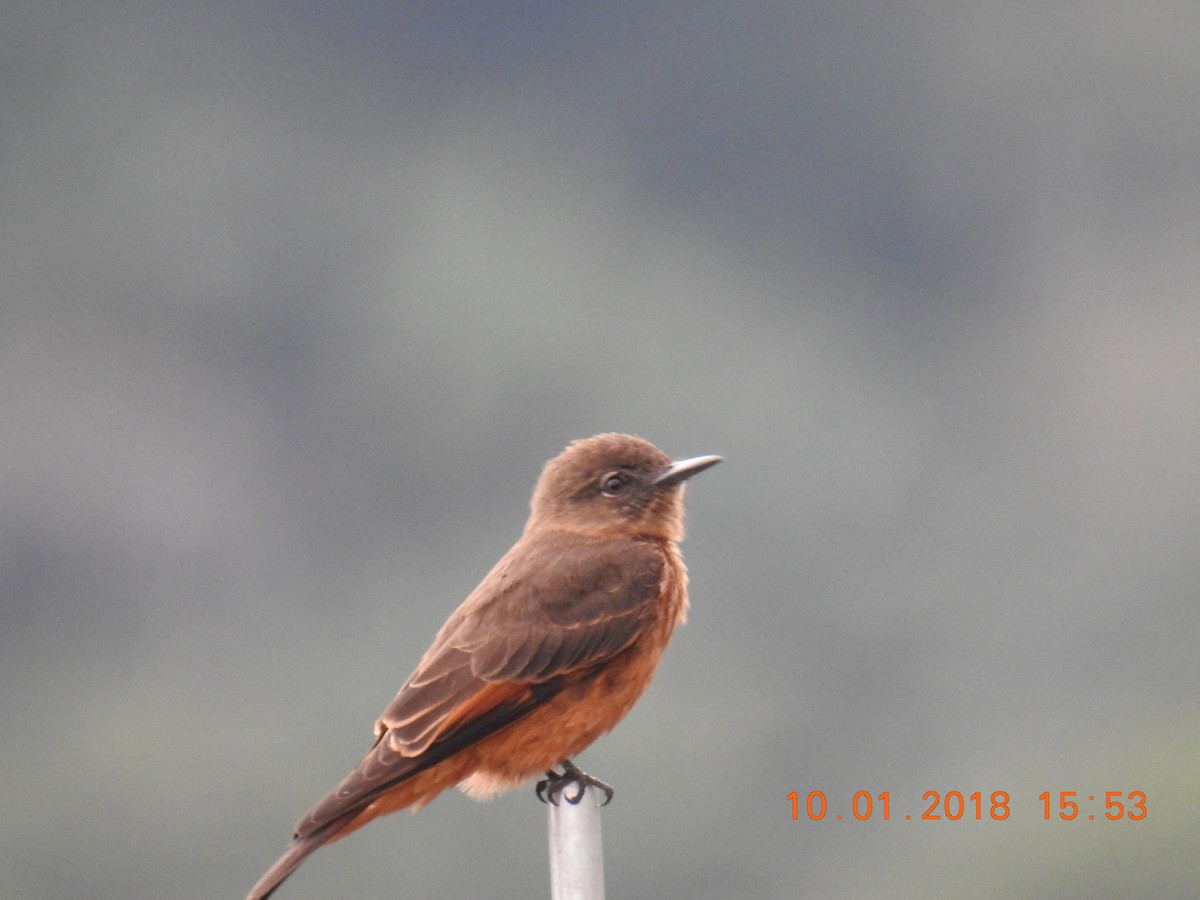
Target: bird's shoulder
x=549 y=581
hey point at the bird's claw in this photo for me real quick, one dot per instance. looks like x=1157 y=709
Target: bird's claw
x=553 y=787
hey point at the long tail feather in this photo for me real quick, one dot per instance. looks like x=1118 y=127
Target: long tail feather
x=298 y=851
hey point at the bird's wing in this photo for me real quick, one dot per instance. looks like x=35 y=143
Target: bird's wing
x=567 y=606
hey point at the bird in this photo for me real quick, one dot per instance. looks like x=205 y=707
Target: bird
x=548 y=653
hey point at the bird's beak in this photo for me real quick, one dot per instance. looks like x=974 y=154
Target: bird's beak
x=685 y=468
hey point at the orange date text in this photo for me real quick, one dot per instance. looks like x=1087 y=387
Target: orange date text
x=973 y=806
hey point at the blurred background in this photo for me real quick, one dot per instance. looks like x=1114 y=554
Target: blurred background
x=296 y=298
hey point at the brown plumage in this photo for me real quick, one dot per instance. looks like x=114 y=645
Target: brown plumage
x=547 y=654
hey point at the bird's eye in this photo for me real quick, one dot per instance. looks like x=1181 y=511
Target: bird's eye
x=612 y=483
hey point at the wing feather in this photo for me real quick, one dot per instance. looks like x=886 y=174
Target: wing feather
x=563 y=608
x=553 y=605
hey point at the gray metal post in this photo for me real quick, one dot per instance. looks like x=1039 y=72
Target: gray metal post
x=576 y=848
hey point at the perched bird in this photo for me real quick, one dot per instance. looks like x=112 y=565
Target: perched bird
x=547 y=654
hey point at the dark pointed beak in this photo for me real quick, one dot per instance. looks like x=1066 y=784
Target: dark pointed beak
x=685 y=468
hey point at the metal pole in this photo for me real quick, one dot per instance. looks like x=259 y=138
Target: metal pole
x=576 y=849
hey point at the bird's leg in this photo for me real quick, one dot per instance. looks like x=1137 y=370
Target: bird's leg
x=550 y=788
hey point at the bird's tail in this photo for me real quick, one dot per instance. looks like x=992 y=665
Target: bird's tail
x=298 y=851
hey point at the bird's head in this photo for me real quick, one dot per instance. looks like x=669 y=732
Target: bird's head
x=615 y=484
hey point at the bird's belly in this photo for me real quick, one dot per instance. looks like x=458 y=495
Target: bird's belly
x=564 y=726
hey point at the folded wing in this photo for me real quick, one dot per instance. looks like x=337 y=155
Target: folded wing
x=549 y=610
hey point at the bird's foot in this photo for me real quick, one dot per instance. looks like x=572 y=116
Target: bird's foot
x=553 y=786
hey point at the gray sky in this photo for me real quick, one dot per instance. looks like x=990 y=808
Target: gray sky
x=296 y=299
